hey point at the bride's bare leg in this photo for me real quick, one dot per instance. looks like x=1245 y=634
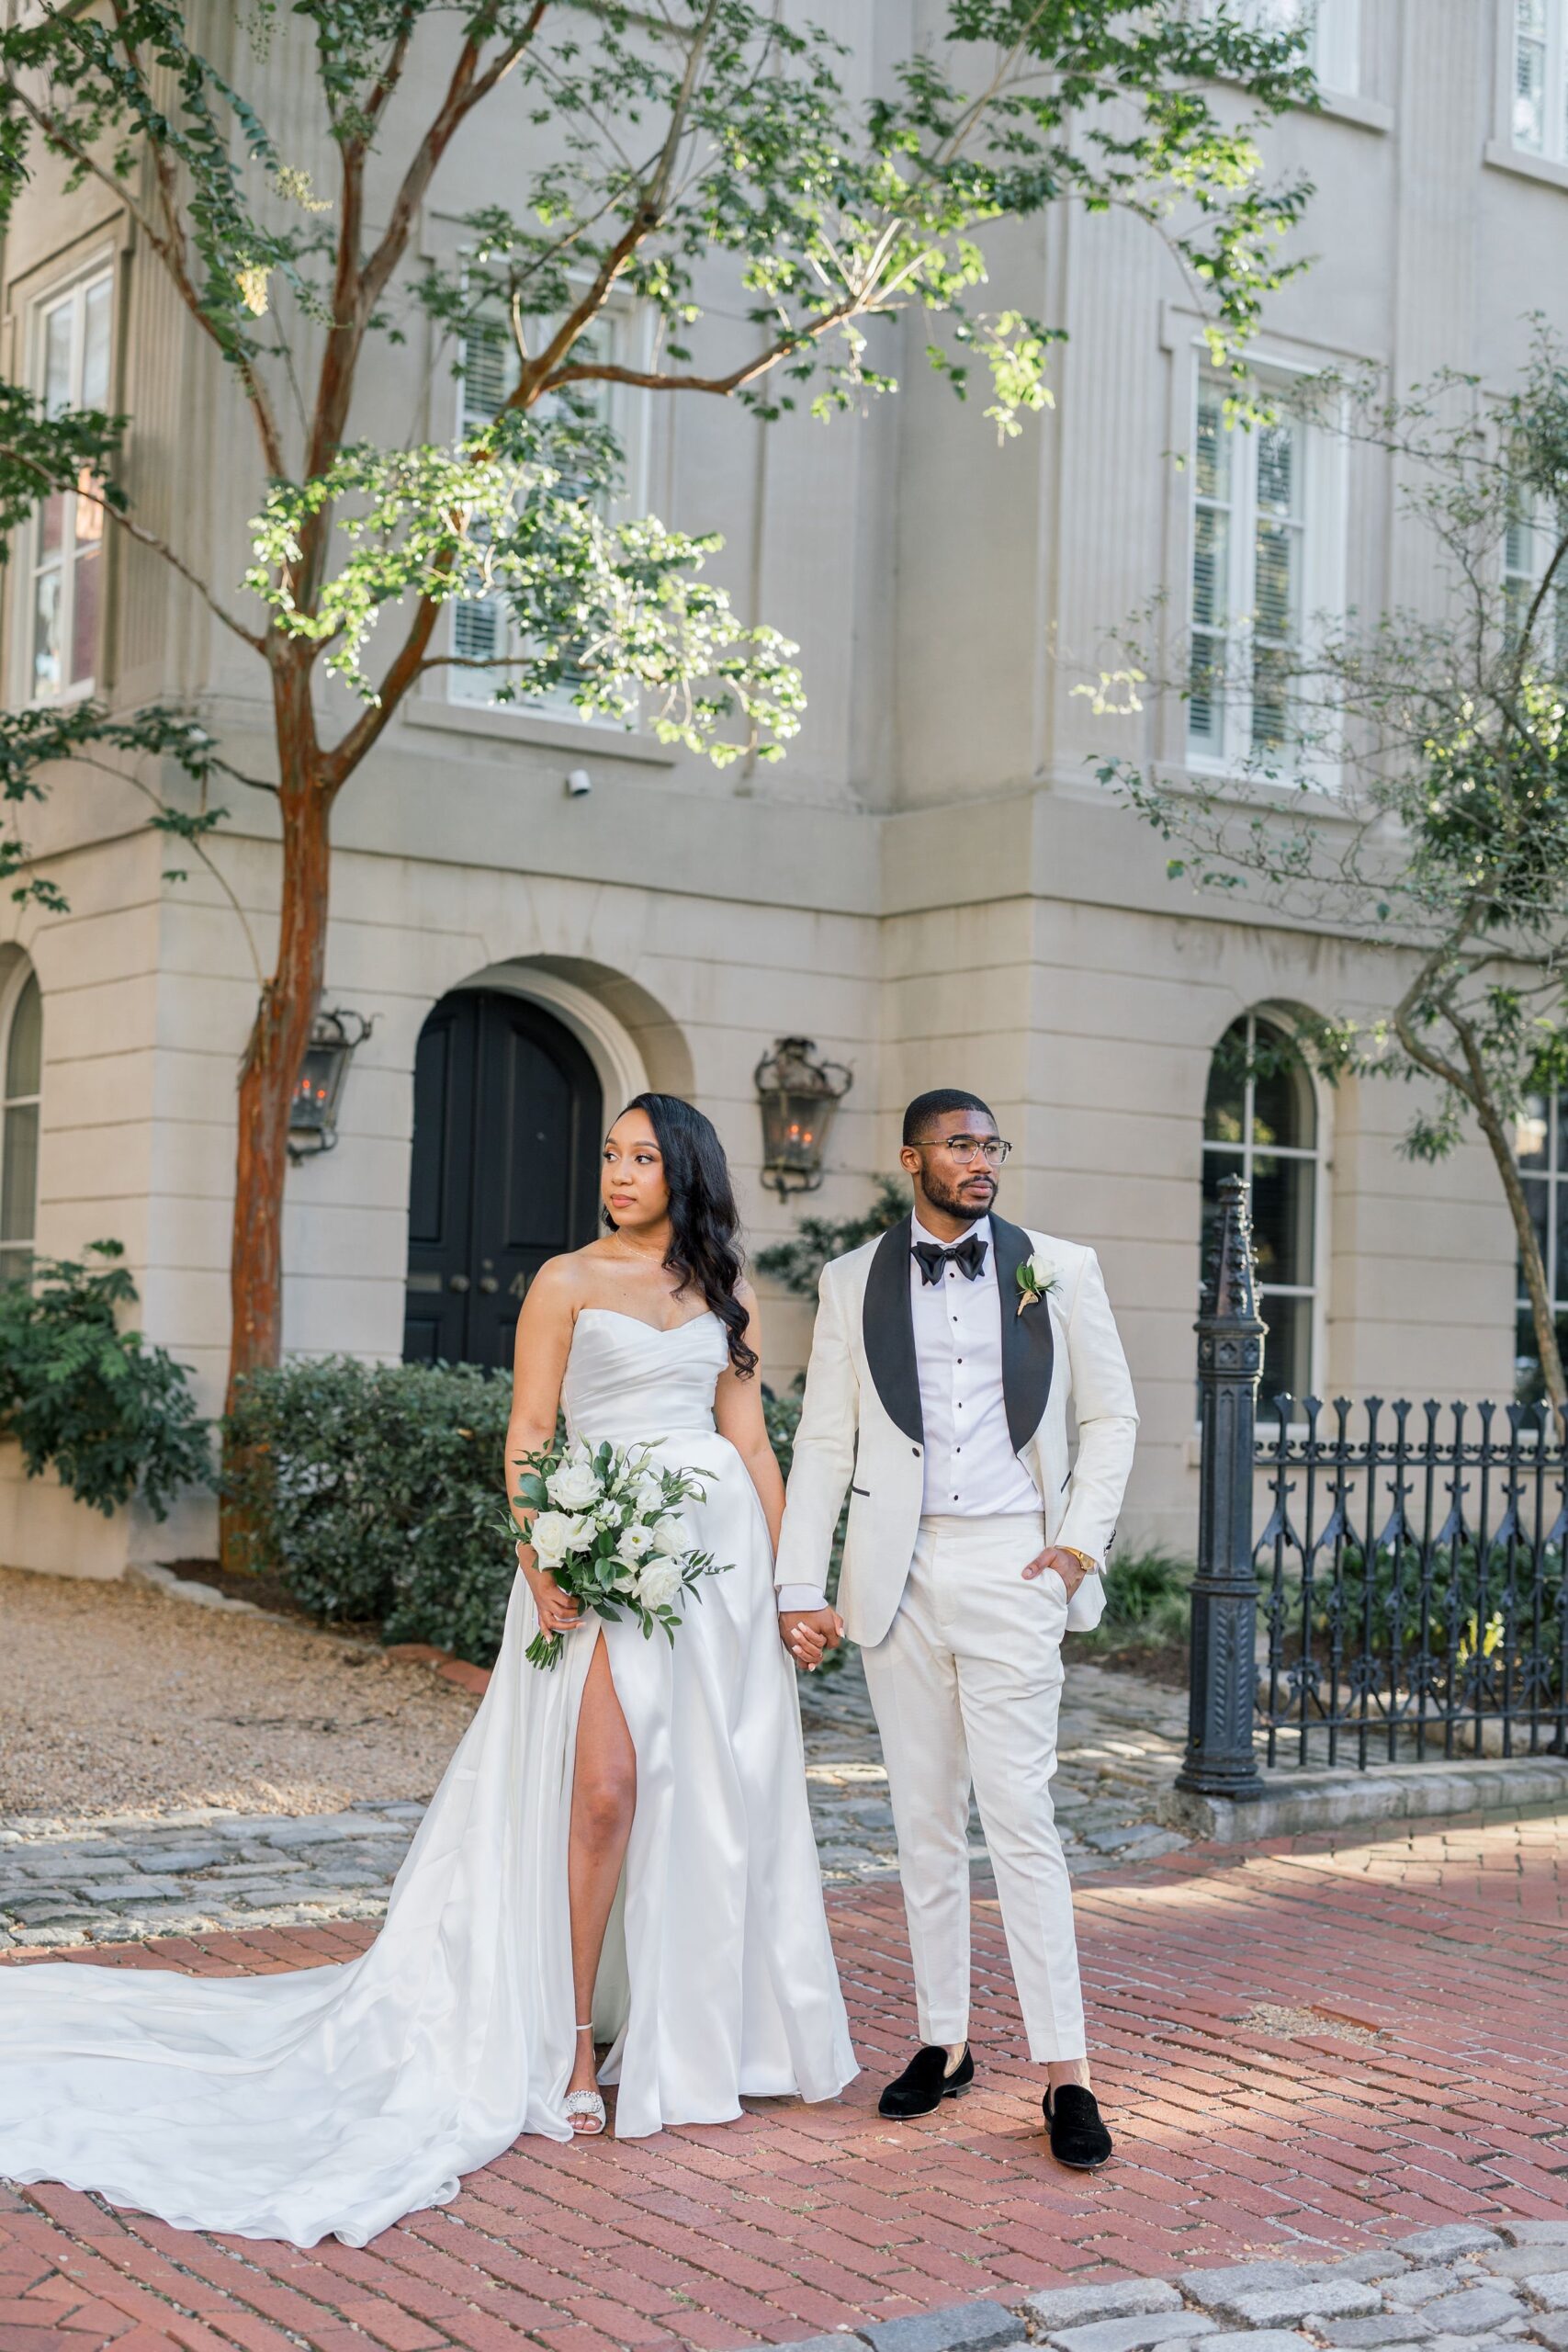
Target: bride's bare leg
x=604 y=1796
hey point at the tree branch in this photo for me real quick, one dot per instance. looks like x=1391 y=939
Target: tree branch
x=170 y=247
x=145 y=539
x=336 y=765
x=358 y=284
x=645 y=219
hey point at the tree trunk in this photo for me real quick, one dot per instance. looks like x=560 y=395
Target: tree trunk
x=285 y=1013
x=1530 y=1261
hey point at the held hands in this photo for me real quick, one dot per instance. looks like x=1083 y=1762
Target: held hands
x=809 y=1634
x=1067 y=1564
x=559 y=1612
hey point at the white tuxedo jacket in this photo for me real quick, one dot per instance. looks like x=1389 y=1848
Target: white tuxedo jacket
x=860 y=1423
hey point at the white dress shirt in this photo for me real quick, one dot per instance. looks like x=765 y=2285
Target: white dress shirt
x=970 y=1469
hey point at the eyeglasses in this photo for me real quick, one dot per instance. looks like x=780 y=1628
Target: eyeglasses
x=962 y=1149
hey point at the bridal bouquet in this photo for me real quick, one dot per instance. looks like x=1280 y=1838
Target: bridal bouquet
x=606 y=1526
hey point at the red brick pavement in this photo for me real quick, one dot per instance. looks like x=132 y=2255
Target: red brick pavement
x=1450 y=1948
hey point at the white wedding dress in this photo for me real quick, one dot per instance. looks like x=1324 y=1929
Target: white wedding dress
x=332 y=2100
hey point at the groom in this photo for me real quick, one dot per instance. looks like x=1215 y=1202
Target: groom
x=945 y=1359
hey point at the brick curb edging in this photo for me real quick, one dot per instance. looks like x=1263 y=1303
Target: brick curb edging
x=460 y=1670
x=1263 y=2306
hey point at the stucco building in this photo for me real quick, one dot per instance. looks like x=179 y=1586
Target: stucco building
x=932 y=886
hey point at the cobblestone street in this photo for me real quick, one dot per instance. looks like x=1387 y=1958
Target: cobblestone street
x=209 y=1868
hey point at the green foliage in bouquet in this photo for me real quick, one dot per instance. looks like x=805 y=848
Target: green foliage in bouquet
x=113 y=1415
x=607 y=1524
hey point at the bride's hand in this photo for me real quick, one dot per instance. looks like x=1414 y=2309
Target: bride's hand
x=559 y=1612
x=809 y=1634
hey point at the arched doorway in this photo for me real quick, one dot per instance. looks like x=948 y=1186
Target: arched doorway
x=508 y=1113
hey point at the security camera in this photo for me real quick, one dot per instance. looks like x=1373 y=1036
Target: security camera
x=578 y=782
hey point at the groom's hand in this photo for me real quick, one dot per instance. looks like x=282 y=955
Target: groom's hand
x=1067 y=1564
x=809 y=1634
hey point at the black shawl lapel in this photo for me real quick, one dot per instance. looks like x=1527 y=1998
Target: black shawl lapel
x=1028 y=1348
x=887 y=1325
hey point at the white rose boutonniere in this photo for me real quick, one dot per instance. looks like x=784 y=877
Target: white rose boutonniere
x=1037 y=1278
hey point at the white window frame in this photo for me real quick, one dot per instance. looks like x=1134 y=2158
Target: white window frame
x=1323 y=526
x=626 y=411
x=1523 y=568
x=11 y=990
x=1551 y=39
x=1334 y=43
x=98 y=269
x=1549 y=1115
x=1240 y=1159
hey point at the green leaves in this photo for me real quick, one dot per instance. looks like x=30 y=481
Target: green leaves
x=72 y=450
x=617 y=613
x=110 y=1415
x=798 y=1263
x=708 y=152
x=1420 y=807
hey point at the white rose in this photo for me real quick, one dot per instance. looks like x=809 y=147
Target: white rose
x=635 y=1543
x=553 y=1534
x=669 y=1536
x=1043 y=1272
x=659 y=1583
x=573 y=1486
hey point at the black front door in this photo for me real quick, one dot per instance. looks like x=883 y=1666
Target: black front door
x=507 y=1123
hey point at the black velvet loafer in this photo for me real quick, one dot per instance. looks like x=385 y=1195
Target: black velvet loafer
x=925 y=2082
x=1078 y=2136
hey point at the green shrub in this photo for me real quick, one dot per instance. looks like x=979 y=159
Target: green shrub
x=114 y=1416
x=1148 y=1609
x=798 y=1264
x=376 y=1491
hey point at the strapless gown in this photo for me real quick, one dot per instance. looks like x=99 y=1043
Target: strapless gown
x=333 y=2100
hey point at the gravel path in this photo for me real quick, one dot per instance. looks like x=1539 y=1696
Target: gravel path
x=116 y=1701
x=171 y=1770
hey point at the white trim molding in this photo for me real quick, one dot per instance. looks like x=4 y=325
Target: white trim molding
x=621 y=1070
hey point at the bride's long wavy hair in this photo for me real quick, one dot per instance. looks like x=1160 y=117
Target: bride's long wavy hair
x=703 y=1219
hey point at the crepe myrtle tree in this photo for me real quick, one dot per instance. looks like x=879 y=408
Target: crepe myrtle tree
x=1409 y=789
x=664 y=152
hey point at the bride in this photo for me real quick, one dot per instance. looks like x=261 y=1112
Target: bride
x=620 y=1851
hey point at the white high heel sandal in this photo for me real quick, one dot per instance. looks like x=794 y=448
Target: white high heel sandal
x=587 y=2104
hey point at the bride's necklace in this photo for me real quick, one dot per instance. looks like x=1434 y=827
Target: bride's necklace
x=625 y=1248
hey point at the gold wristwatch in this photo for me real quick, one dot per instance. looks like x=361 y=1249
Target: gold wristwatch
x=1090 y=1567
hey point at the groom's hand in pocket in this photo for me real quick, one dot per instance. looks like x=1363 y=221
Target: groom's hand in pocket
x=809 y=1634
x=1067 y=1564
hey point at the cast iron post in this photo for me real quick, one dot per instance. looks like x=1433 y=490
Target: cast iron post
x=1220 y=1761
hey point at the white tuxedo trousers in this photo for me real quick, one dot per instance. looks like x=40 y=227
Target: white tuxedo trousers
x=966 y=1685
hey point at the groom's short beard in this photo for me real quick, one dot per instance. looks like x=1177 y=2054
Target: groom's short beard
x=942 y=1195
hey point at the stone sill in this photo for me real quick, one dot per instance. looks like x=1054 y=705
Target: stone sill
x=584 y=741
x=1348 y=105
x=1523 y=165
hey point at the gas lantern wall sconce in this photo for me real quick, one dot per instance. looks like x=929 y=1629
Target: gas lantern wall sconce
x=312 y=1111
x=799 y=1096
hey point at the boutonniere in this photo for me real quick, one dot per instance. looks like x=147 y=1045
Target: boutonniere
x=1037 y=1278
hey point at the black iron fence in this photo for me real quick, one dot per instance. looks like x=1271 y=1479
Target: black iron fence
x=1407 y=1595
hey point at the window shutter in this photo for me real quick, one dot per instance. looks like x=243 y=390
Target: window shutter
x=486 y=372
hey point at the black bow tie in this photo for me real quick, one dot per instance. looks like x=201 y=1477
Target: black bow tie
x=968 y=1256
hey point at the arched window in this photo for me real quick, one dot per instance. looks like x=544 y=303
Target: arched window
x=1540 y=1142
x=1260 y=1121
x=19 y=1130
